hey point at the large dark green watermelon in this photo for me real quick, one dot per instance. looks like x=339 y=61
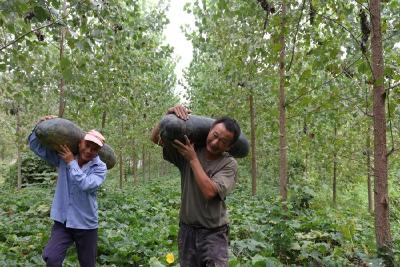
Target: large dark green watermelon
x=196 y=128
x=55 y=132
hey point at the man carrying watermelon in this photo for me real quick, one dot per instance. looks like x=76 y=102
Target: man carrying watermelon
x=208 y=175
x=74 y=207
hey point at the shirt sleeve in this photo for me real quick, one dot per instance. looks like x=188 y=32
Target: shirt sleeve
x=225 y=179
x=172 y=155
x=49 y=155
x=87 y=183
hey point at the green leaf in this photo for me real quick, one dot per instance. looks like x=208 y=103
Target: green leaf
x=3 y=67
x=55 y=3
x=276 y=47
x=305 y=75
x=154 y=262
x=363 y=68
x=40 y=13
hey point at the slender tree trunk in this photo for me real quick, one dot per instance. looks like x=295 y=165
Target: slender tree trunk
x=63 y=30
x=148 y=165
x=143 y=162
x=382 y=223
x=121 y=160
x=3 y=152
x=253 y=146
x=121 y=168
x=282 y=110
x=306 y=164
x=134 y=162
x=19 y=160
x=126 y=169
x=334 y=172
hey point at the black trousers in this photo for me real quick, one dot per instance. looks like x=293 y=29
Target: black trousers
x=200 y=246
x=62 y=238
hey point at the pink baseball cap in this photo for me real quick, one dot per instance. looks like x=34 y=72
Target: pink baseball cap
x=95 y=137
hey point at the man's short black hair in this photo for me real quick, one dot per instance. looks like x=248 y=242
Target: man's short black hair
x=231 y=125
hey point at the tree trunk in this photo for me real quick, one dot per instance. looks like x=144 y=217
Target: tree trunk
x=121 y=162
x=282 y=110
x=134 y=162
x=126 y=169
x=63 y=30
x=148 y=165
x=382 y=223
x=143 y=162
x=334 y=172
x=3 y=152
x=121 y=168
x=253 y=146
x=19 y=160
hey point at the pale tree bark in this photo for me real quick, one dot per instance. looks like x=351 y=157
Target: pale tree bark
x=148 y=165
x=3 y=152
x=63 y=30
x=126 y=168
x=120 y=168
x=120 y=157
x=143 y=162
x=381 y=199
x=253 y=146
x=134 y=162
x=19 y=160
x=335 y=162
x=283 y=173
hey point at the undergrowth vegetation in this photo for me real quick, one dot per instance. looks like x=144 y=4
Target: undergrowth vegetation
x=139 y=226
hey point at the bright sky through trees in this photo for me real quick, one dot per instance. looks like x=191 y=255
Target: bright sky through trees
x=176 y=38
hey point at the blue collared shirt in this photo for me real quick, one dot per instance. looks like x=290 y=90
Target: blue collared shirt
x=74 y=201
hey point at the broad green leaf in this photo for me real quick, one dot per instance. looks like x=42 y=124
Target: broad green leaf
x=363 y=68
x=41 y=14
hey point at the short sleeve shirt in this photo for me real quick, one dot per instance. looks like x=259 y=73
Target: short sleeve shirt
x=195 y=208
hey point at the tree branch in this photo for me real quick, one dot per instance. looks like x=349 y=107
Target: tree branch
x=27 y=33
x=324 y=83
x=392 y=87
x=365 y=7
x=295 y=35
x=354 y=38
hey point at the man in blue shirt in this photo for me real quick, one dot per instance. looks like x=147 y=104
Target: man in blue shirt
x=74 y=207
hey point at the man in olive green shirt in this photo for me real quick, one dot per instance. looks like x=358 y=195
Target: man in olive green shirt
x=208 y=175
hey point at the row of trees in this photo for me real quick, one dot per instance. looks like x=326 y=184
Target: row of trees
x=101 y=64
x=317 y=86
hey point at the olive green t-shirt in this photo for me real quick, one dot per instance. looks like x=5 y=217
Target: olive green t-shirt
x=195 y=209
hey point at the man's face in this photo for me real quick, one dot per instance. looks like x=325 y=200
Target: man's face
x=88 y=150
x=219 y=139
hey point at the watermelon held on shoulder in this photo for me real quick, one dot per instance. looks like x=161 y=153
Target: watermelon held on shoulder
x=196 y=128
x=54 y=132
